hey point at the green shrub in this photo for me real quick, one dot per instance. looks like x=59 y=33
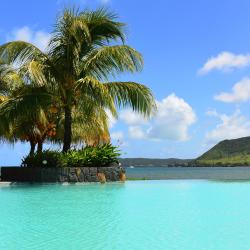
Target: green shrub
x=92 y=156
x=45 y=159
x=99 y=156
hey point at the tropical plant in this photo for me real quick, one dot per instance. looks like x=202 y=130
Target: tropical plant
x=50 y=159
x=99 y=156
x=44 y=119
x=80 y=58
x=16 y=123
x=89 y=126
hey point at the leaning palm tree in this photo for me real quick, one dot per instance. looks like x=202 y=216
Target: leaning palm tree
x=82 y=55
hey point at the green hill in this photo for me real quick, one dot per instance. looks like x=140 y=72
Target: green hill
x=146 y=162
x=234 y=152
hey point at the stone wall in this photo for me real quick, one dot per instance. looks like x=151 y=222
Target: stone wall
x=67 y=174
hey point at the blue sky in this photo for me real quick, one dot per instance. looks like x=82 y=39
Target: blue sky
x=197 y=63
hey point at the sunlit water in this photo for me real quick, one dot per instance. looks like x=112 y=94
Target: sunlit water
x=178 y=215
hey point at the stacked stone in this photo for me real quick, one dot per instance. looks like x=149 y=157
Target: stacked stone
x=67 y=174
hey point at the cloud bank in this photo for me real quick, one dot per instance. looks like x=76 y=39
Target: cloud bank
x=172 y=121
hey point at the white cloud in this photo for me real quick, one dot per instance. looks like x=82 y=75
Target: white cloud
x=117 y=135
x=38 y=38
x=136 y=132
x=230 y=127
x=240 y=92
x=225 y=61
x=173 y=118
x=132 y=118
x=111 y=118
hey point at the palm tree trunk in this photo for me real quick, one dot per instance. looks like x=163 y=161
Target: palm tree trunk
x=32 y=147
x=40 y=147
x=67 y=129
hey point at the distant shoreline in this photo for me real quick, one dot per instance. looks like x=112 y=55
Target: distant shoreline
x=199 y=173
x=174 y=162
x=187 y=166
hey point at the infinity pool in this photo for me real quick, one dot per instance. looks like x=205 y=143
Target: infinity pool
x=178 y=215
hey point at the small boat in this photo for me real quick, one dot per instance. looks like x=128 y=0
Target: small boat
x=131 y=167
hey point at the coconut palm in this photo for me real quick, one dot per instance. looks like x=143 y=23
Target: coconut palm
x=44 y=120
x=89 y=126
x=82 y=55
x=16 y=122
x=6 y=73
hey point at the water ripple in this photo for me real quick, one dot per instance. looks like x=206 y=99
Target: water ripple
x=172 y=215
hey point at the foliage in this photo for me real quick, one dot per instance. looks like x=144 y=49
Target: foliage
x=99 y=156
x=228 y=148
x=86 y=49
x=236 y=160
x=47 y=158
x=234 y=152
x=147 y=162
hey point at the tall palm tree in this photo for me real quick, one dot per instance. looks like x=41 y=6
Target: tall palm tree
x=89 y=128
x=80 y=58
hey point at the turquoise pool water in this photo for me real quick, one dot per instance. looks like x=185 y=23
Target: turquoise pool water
x=178 y=215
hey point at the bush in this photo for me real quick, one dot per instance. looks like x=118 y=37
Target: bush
x=45 y=159
x=92 y=156
x=99 y=156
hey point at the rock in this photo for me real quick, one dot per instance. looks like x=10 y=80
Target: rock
x=101 y=177
x=122 y=177
x=66 y=174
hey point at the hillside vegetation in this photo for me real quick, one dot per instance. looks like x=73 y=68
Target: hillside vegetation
x=235 y=152
x=146 y=162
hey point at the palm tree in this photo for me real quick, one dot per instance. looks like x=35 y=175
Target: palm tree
x=16 y=122
x=77 y=65
x=44 y=120
x=90 y=126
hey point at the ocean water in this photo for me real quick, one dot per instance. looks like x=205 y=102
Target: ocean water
x=170 y=214
x=163 y=173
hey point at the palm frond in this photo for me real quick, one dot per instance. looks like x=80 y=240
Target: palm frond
x=107 y=60
x=103 y=26
x=19 y=52
x=93 y=91
x=26 y=102
x=70 y=36
x=134 y=95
